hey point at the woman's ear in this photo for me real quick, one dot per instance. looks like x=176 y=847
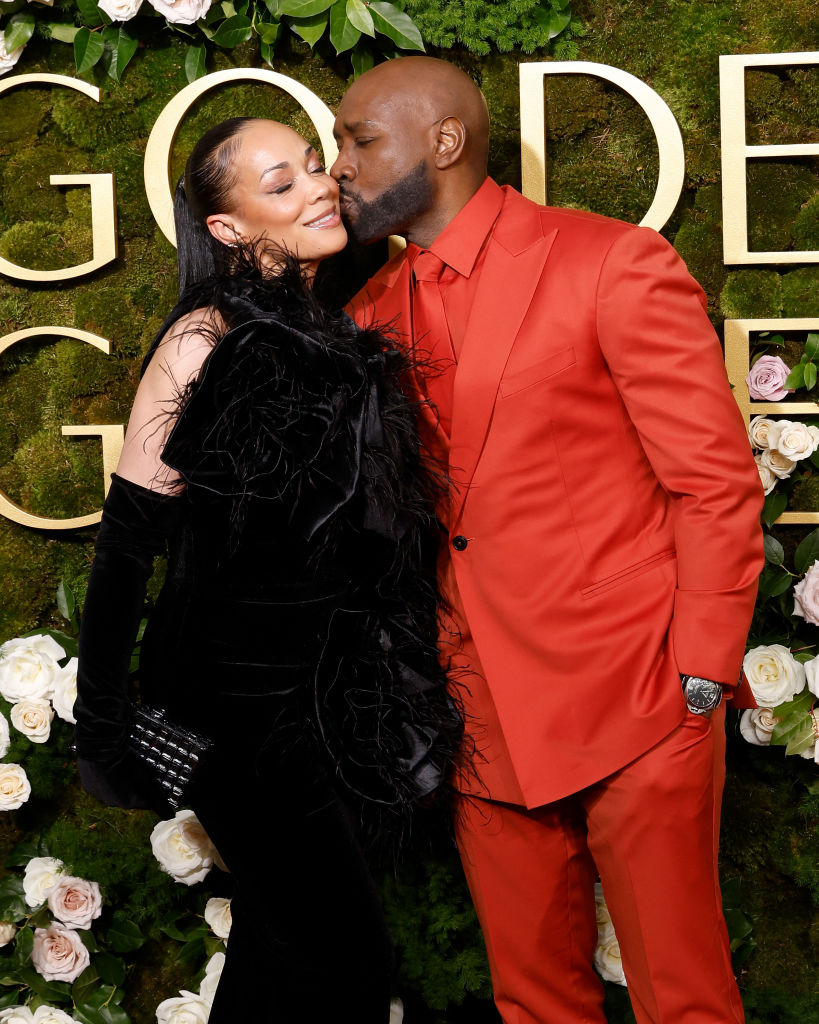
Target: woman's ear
x=223 y=228
x=450 y=143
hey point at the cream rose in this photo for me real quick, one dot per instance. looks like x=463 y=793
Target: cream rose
x=15 y=788
x=51 y=1015
x=182 y=12
x=75 y=902
x=777 y=463
x=8 y=60
x=793 y=440
x=767 y=478
x=120 y=10
x=806 y=596
x=758 y=431
x=8 y=929
x=16 y=1015
x=812 y=676
x=183 y=848
x=59 y=953
x=5 y=739
x=32 y=717
x=185 y=1008
x=757 y=724
x=608 y=961
x=218 y=916
x=64 y=691
x=774 y=674
x=213 y=972
x=28 y=666
x=40 y=877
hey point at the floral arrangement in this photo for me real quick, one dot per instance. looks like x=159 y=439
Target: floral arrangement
x=607 y=959
x=109 y=32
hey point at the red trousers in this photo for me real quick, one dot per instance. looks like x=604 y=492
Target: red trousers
x=650 y=831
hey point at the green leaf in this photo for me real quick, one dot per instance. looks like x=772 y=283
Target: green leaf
x=358 y=16
x=85 y=986
x=774 y=552
x=396 y=25
x=343 y=34
x=123 y=936
x=89 y=1015
x=10 y=998
x=19 y=29
x=311 y=29
x=268 y=52
x=119 y=52
x=103 y=996
x=362 y=60
x=799 y=705
x=23 y=946
x=269 y=31
x=796 y=378
x=228 y=9
x=739 y=926
x=13 y=906
x=303 y=8
x=554 y=21
x=91 y=14
x=193 y=952
x=773 y=582
x=88 y=48
x=810 y=376
x=235 y=30
x=807 y=552
x=195 y=62
x=812 y=345
x=60 y=31
x=793 y=732
x=775 y=505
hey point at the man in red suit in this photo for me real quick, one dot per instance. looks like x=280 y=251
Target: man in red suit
x=602 y=559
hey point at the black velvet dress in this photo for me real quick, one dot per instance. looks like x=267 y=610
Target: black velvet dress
x=297 y=627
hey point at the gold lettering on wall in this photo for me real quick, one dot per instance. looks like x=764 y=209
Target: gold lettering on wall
x=737 y=363
x=533 y=125
x=158 y=186
x=112 y=435
x=736 y=153
x=103 y=205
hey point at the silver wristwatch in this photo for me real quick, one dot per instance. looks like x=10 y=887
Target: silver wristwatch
x=701 y=695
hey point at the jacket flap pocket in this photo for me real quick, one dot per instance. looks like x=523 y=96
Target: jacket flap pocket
x=537 y=372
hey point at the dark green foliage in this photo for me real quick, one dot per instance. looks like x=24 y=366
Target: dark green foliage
x=752 y=293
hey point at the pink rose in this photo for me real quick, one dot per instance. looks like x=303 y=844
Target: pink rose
x=766 y=379
x=59 y=953
x=806 y=596
x=75 y=902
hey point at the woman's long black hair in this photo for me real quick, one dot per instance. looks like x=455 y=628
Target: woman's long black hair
x=205 y=189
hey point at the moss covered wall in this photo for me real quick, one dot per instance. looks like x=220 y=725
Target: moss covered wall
x=602 y=157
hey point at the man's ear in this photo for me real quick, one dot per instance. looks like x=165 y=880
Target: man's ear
x=223 y=228
x=450 y=143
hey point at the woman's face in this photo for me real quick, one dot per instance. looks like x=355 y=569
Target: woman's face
x=283 y=193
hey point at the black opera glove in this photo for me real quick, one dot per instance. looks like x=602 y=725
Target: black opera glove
x=134 y=527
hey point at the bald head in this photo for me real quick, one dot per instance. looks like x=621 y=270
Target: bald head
x=413 y=135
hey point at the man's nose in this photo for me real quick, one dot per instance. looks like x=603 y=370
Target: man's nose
x=343 y=169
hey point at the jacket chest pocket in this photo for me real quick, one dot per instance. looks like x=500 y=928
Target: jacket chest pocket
x=535 y=373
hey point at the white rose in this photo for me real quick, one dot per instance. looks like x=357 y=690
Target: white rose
x=7 y=932
x=32 y=717
x=777 y=463
x=812 y=676
x=814 y=433
x=183 y=848
x=608 y=961
x=758 y=431
x=51 y=1015
x=218 y=916
x=8 y=60
x=767 y=478
x=64 y=691
x=59 y=953
x=16 y=1015
x=15 y=788
x=213 y=972
x=40 y=877
x=806 y=596
x=119 y=10
x=75 y=902
x=793 y=440
x=756 y=726
x=182 y=12
x=5 y=740
x=774 y=674
x=396 y=1011
x=28 y=666
x=185 y=1008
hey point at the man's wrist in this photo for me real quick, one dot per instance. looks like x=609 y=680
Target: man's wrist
x=702 y=696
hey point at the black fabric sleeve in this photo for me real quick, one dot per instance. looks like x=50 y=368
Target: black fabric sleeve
x=133 y=530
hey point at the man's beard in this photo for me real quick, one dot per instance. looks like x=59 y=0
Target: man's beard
x=395 y=209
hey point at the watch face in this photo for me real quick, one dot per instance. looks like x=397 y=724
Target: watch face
x=702 y=693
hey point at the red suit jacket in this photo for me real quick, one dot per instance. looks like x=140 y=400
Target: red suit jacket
x=606 y=492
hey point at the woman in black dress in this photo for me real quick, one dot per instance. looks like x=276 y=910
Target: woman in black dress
x=272 y=450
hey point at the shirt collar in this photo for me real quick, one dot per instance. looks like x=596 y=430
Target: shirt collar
x=460 y=243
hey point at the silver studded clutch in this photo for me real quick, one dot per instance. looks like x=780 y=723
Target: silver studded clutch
x=171 y=752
